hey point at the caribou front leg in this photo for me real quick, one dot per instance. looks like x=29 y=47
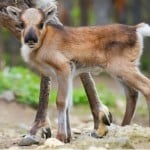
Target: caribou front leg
x=101 y=115
x=41 y=122
x=63 y=97
x=41 y=119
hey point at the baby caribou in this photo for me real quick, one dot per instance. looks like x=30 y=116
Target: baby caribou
x=67 y=52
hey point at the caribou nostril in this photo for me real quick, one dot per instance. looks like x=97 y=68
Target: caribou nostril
x=31 y=37
x=30 y=40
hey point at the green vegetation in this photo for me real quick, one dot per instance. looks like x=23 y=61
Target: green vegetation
x=26 y=85
x=23 y=82
x=75 y=14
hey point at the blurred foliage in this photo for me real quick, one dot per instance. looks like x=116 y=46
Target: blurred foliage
x=5 y=33
x=145 y=62
x=25 y=84
x=75 y=14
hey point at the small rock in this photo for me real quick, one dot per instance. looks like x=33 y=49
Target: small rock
x=50 y=143
x=76 y=131
x=8 y=96
x=53 y=142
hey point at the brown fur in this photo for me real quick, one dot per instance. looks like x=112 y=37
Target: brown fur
x=88 y=45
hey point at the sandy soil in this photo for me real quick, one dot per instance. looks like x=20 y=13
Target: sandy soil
x=16 y=119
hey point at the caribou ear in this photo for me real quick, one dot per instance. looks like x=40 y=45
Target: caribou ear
x=14 y=12
x=50 y=11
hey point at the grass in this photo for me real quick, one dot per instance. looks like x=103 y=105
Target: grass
x=25 y=84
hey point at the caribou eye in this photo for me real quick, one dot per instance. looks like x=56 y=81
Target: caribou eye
x=21 y=25
x=40 y=26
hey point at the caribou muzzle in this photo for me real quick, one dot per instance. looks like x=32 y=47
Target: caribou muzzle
x=31 y=38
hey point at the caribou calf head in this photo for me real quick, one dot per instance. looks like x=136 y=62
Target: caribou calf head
x=31 y=23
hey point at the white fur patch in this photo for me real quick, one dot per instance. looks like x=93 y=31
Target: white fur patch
x=95 y=70
x=44 y=3
x=144 y=29
x=70 y=91
x=25 y=52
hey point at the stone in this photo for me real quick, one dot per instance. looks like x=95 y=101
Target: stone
x=8 y=96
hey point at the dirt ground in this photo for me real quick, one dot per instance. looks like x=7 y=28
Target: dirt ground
x=16 y=119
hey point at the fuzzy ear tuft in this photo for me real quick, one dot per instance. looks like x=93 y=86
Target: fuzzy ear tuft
x=14 y=12
x=43 y=3
x=50 y=11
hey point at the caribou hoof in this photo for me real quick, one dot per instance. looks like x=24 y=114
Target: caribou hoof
x=94 y=134
x=100 y=132
x=46 y=133
x=63 y=138
x=29 y=140
x=37 y=139
x=105 y=119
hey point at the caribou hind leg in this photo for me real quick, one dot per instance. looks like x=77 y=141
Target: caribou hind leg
x=135 y=79
x=101 y=115
x=131 y=101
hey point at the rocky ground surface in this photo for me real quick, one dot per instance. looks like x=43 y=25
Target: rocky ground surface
x=16 y=119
